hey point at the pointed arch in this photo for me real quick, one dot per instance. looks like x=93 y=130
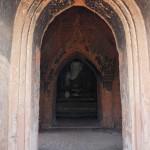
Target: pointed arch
x=127 y=25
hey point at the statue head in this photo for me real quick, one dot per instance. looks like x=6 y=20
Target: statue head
x=76 y=66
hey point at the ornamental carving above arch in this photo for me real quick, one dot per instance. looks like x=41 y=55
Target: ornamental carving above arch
x=105 y=66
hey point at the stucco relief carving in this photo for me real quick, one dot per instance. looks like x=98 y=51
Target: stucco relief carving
x=107 y=70
x=91 y=49
x=106 y=66
x=59 y=55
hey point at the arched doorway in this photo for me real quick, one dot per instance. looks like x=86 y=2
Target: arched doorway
x=129 y=37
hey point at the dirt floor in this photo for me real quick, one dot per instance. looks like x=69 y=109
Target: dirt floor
x=80 y=139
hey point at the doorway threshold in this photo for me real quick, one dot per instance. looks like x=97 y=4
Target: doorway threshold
x=77 y=123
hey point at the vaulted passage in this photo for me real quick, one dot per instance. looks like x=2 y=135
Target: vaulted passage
x=79 y=72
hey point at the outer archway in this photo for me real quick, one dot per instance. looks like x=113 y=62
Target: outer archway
x=128 y=27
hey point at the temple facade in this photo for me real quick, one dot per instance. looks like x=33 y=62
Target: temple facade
x=65 y=61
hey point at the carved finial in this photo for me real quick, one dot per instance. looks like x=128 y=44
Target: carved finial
x=79 y=3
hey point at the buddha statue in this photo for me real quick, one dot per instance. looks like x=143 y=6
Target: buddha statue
x=77 y=80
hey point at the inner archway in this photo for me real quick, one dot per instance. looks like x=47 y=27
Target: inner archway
x=76 y=100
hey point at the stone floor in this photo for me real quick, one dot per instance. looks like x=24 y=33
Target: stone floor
x=80 y=139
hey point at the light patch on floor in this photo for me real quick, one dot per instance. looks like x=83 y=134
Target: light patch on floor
x=80 y=139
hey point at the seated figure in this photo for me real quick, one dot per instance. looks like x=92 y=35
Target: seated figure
x=77 y=80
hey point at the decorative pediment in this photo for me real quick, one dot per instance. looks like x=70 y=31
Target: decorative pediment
x=107 y=70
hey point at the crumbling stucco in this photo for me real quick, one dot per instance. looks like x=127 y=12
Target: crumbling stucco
x=134 y=68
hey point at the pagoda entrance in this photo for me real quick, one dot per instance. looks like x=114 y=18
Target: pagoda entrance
x=76 y=102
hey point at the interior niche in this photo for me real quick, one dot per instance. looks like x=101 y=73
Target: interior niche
x=76 y=93
x=79 y=38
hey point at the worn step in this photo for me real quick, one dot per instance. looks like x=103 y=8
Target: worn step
x=75 y=108
x=77 y=115
x=76 y=105
x=81 y=100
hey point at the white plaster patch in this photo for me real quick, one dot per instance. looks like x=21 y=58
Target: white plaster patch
x=4 y=79
x=127 y=143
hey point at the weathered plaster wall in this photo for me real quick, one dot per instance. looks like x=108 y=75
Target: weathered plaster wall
x=7 y=14
x=144 y=6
